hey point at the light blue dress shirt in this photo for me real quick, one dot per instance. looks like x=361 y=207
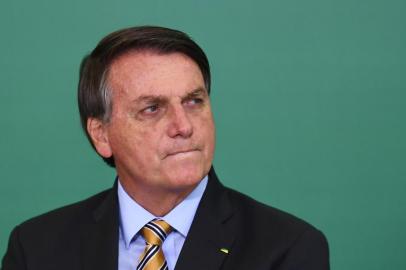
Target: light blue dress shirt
x=133 y=217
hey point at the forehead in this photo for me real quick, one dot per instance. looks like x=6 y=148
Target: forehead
x=146 y=72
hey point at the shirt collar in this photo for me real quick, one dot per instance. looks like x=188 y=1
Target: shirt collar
x=133 y=216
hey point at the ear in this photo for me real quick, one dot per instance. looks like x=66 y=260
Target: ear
x=98 y=133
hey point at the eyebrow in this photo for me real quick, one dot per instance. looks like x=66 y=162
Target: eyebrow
x=160 y=98
x=195 y=93
x=149 y=99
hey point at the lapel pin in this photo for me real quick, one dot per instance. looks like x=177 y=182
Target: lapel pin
x=224 y=250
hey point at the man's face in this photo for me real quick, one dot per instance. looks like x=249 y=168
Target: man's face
x=161 y=131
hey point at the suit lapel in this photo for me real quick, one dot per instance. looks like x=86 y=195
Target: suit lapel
x=99 y=240
x=209 y=237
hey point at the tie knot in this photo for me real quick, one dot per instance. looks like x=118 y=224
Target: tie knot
x=156 y=231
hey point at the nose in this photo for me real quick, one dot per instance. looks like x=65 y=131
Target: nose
x=179 y=123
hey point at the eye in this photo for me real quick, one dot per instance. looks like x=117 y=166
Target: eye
x=194 y=101
x=150 y=109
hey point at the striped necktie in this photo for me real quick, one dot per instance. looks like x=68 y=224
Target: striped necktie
x=154 y=233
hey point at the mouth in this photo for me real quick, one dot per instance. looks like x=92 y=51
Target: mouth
x=182 y=152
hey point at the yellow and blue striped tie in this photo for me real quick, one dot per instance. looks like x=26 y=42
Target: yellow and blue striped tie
x=154 y=233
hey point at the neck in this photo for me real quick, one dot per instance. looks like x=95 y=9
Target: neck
x=158 y=202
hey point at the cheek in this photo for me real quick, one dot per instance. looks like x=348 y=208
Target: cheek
x=126 y=140
x=151 y=146
x=207 y=126
x=206 y=133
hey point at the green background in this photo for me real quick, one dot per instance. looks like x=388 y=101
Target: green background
x=309 y=101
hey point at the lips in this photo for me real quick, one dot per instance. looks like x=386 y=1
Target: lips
x=177 y=152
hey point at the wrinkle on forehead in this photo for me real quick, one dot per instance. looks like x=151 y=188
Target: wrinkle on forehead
x=137 y=69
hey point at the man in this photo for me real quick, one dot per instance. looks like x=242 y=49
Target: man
x=144 y=104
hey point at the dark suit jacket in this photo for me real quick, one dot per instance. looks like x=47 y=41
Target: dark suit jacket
x=85 y=236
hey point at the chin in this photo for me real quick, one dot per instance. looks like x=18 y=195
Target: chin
x=186 y=176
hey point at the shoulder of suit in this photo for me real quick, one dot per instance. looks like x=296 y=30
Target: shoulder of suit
x=273 y=233
x=262 y=216
x=65 y=217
